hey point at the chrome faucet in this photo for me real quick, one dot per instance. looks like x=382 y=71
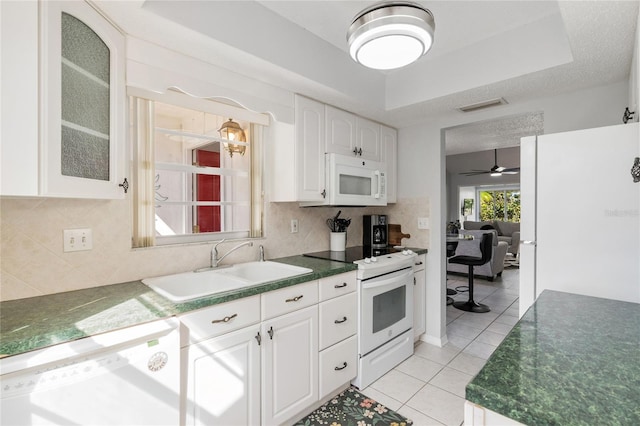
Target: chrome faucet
x=261 y=254
x=214 y=252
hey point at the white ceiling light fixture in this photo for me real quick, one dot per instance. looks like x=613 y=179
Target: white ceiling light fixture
x=391 y=35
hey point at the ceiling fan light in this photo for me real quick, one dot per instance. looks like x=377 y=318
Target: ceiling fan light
x=495 y=174
x=391 y=35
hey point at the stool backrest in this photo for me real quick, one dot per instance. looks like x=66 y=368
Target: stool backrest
x=485 y=247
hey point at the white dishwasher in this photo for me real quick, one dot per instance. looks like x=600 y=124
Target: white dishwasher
x=124 y=377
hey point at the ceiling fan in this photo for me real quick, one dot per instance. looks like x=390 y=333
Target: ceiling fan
x=495 y=170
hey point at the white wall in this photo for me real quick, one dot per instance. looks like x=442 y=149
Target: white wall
x=422 y=169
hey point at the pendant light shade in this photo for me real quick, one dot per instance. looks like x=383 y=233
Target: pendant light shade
x=391 y=35
x=232 y=131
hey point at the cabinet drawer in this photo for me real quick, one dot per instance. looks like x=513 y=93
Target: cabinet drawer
x=219 y=319
x=289 y=299
x=338 y=365
x=338 y=319
x=337 y=285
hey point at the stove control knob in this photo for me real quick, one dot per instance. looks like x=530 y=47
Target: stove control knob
x=367 y=260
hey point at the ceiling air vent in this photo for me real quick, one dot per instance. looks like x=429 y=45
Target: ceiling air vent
x=482 y=105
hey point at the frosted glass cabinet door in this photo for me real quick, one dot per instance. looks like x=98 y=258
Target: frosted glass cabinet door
x=82 y=103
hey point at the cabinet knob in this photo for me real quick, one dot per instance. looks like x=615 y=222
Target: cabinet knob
x=124 y=185
x=324 y=193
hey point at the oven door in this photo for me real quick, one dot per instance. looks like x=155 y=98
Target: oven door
x=386 y=308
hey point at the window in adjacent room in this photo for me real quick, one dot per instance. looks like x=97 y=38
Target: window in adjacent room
x=190 y=183
x=499 y=204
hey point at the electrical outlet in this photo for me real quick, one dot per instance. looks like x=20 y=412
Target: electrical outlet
x=423 y=223
x=77 y=239
x=294 y=226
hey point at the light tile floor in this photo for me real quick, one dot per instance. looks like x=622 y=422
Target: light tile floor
x=428 y=388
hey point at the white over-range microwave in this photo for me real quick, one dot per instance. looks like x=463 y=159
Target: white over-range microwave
x=352 y=181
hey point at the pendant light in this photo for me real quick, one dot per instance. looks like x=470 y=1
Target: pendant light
x=391 y=35
x=232 y=131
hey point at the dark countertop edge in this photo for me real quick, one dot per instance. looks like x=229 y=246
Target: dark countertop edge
x=160 y=307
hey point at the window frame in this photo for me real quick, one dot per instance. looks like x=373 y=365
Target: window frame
x=258 y=121
x=495 y=188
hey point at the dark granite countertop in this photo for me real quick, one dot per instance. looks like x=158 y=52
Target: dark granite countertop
x=38 y=322
x=570 y=360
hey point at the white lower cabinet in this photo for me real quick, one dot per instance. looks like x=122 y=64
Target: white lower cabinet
x=223 y=380
x=270 y=358
x=419 y=297
x=289 y=365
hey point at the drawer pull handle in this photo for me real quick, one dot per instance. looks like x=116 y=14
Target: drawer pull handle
x=295 y=299
x=225 y=319
x=341 y=321
x=344 y=365
x=343 y=285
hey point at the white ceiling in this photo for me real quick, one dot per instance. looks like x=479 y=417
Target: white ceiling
x=519 y=50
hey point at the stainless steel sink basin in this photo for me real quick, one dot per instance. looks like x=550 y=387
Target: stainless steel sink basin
x=193 y=285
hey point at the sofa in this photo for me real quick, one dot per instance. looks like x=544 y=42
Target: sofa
x=490 y=270
x=509 y=232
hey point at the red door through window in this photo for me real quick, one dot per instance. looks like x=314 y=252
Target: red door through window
x=208 y=189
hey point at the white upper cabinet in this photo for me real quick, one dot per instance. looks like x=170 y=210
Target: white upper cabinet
x=348 y=134
x=79 y=107
x=340 y=131
x=309 y=145
x=368 y=139
x=389 y=156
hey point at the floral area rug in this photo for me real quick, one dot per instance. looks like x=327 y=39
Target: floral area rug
x=351 y=408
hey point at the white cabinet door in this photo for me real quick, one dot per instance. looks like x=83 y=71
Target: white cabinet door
x=289 y=365
x=340 y=131
x=82 y=103
x=368 y=139
x=419 y=294
x=223 y=380
x=389 y=156
x=19 y=100
x=310 y=143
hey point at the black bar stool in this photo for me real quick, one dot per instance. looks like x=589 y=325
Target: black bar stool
x=451 y=251
x=485 y=251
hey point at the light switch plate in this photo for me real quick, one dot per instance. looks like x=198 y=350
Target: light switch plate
x=77 y=239
x=423 y=223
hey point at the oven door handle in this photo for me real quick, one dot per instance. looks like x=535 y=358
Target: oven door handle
x=374 y=283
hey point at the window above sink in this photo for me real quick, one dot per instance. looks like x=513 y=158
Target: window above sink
x=192 y=183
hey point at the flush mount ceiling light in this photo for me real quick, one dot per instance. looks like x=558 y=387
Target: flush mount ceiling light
x=391 y=35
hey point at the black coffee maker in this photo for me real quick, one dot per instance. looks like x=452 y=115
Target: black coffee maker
x=376 y=230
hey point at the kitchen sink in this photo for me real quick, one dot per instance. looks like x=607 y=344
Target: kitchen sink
x=192 y=285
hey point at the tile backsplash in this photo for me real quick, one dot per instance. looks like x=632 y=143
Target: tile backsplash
x=33 y=262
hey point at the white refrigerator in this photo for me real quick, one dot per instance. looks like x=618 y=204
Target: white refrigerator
x=580 y=218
